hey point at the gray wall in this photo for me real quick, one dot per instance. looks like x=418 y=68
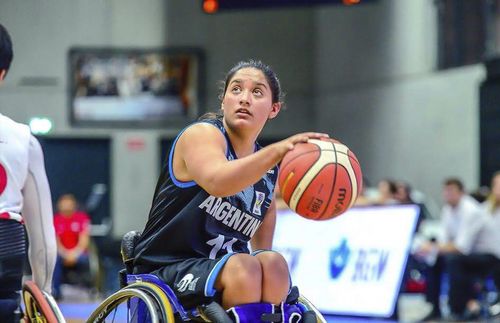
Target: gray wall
x=282 y=38
x=43 y=32
x=377 y=90
x=365 y=74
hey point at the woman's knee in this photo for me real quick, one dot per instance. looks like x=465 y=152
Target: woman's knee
x=241 y=270
x=273 y=263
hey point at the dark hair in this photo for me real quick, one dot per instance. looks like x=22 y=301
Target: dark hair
x=391 y=184
x=453 y=181
x=271 y=78
x=6 y=52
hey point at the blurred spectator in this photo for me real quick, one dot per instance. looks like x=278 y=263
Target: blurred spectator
x=403 y=193
x=480 y=194
x=73 y=234
x=458 y=215
x=362 y=198
x=480 y=260
x=387 y=190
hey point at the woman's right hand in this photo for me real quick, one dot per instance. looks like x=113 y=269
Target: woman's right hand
x=285 y=145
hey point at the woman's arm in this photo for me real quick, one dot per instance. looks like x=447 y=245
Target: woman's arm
x=263 y=238
x=200 y=155
x=37 y=214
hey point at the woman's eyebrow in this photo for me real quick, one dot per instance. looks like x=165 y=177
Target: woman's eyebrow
x=238 y=81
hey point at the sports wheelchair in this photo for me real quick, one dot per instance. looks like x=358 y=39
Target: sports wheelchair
x=146 y=298
x=39 y=306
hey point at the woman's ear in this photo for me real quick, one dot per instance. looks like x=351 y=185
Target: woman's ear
x=275 y=109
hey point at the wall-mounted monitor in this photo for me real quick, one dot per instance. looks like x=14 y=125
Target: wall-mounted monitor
x=352 y=265
x=135 y=87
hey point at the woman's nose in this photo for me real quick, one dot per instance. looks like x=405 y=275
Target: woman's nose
x=245 y=97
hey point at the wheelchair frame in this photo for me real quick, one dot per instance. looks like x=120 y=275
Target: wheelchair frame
x=40 y=306
x=151 y=300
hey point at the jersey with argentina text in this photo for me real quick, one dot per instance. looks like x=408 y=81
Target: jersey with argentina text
x=187 y=222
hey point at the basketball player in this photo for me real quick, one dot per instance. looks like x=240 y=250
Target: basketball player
x=24 y=199
x=215 y=194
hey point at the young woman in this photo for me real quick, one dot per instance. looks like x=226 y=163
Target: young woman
x=215 y=194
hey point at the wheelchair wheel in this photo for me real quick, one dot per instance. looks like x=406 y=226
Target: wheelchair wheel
x=129 y=304
x=159 y=296
x=39 y=306
x=311 y=308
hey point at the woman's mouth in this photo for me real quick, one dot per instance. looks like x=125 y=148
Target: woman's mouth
x=243 y=111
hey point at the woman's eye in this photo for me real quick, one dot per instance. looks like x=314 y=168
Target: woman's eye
x=257 y=91
x=235 y=90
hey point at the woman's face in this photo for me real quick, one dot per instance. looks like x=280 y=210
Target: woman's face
x=247 y=102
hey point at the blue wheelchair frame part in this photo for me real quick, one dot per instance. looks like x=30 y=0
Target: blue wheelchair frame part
x=177 y=307
x=245 y=313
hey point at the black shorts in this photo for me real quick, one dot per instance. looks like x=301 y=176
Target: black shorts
x=193 y=280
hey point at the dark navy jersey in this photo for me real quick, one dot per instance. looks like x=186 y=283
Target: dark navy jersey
x=187 y=222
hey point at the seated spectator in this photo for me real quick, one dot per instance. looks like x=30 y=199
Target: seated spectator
x=387 y=190
x=480 y=257
x=403 y=193
x=73 y=234
x=457 y=215
x=363 y=199
x=481 y=194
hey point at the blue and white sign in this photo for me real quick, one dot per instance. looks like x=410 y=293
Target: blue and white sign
x=350 y=265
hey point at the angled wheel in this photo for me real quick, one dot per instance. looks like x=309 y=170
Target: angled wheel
x=165 y=308
x=311 y=308
x=129 y=304
x=39 y=306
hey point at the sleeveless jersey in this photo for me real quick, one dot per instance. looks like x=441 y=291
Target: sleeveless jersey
x=14 y=147
x=187 y=222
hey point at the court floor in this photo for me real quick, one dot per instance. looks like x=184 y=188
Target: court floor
x=77 y=306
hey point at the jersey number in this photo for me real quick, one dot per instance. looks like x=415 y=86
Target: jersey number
x=218 y=244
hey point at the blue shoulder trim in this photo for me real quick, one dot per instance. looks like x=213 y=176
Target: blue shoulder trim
x=182 y=184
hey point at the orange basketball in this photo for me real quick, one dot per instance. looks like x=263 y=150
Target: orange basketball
x=320 y=179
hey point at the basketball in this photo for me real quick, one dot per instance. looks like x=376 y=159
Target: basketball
x=320 y=179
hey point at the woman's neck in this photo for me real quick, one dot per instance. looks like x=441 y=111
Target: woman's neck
x=243 y=142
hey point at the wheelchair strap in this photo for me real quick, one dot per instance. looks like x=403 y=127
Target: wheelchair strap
x=265 y=312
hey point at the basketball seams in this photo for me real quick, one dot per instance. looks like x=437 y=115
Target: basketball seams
x=330 y=196
x=282 y=166
x=308 y=177
x=312 y=180
x=346 y=162
x=315 y=183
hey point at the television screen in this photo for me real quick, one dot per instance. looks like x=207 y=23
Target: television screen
x=135 y=87
x=352 y=265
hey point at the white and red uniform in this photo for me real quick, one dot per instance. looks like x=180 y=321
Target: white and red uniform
x=25 y=196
